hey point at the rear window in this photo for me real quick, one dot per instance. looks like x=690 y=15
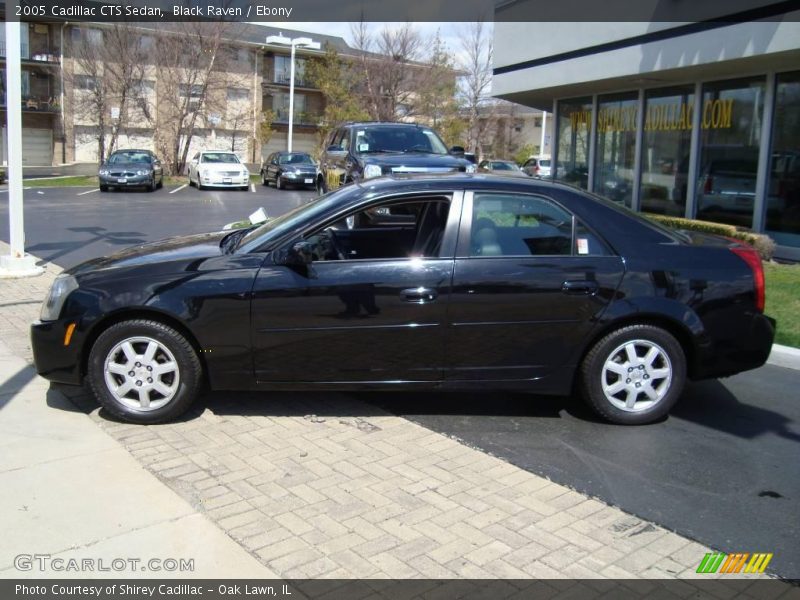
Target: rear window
x=544 y=163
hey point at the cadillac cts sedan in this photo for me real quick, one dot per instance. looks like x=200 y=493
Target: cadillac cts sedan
x=449 y=282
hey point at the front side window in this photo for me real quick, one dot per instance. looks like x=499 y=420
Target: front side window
x=392 y=230
x=516 y=225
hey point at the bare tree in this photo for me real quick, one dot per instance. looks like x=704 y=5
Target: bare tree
x=476 y=81
x=195 y=67
x=390 y=68
x=107 y=73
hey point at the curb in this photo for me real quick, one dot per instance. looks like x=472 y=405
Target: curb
x=784 y=356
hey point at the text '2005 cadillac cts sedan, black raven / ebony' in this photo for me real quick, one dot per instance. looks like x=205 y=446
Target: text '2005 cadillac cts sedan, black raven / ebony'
x=449 y=282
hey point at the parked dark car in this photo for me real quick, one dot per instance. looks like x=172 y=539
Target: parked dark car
x=289 y=168
x=454 y=282
x=131 y=168
x=359 y=151
x=501 y=167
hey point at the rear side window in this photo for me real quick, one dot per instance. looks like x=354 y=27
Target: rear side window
x=514 y=225
x=521 y=225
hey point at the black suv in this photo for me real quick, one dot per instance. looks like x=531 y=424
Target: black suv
x=357 y=151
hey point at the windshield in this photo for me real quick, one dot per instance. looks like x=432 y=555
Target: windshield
x=275 y=228
x=392 y=138
x=504 y=166
x=295 y=159
x=219 y=157
x=129 y=157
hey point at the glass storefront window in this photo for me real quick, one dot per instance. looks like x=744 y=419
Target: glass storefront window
x=665 y=150
x=783 y=201
x=616 y=146
x=729 y=143
x=574 y=122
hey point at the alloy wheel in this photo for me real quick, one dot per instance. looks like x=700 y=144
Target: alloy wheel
x=142 y=373
x=637 y=375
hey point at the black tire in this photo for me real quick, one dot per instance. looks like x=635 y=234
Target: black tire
x=160 y=183
x=278 y=184
x=103 y=188
x=152 y=186
x=191 y=183
x=321 y=186
x=190 y=371
x=669 y=356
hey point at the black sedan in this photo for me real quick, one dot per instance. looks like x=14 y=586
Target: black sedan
x=131 y=168
x=451 y=282
x=289 y=168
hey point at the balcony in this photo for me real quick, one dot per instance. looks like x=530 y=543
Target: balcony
x=39 y=55
x=34 y=103
x=283 y=77
x=300 y=118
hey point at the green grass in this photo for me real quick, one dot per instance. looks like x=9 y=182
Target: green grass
x=783 y=301
x=76 y=181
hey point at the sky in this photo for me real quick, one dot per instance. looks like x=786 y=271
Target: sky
x=450 y=32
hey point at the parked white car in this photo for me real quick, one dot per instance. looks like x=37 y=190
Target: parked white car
x=218 y=168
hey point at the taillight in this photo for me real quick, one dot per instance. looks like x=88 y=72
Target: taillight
x=753 y=260
x=709 y=186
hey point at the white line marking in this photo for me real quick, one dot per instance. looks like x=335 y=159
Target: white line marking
x=253 y=187
x=89 y=192
x=179 y=189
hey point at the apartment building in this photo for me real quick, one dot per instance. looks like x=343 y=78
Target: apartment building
x=61 y=126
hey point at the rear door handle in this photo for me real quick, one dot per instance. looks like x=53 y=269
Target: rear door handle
x=419 y=295
x=580 y=287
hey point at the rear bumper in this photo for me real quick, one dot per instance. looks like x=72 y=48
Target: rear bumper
x=747 y=350
x=54 y=360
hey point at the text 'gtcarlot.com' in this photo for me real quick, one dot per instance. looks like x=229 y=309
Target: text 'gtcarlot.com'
x=46 y=562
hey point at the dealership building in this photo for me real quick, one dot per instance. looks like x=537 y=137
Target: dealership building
x=700 y=120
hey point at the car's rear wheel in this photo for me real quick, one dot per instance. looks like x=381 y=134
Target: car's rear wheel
x=144 y=371
x=634 y=375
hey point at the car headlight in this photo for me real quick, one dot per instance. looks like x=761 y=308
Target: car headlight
x=471 y=168
x=103 y=171
x=143 y=172
x=203 y=173
x=61 y=288
x=290 y=174
x=371 y=171
x=245 y=173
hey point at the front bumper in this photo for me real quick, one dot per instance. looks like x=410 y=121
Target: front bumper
x=215 y=180
x=54 y=360
x=134 y=181
x=300 y=179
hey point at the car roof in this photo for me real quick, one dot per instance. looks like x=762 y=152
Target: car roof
x=382 y=123
x=132 y=150
x=216 y=152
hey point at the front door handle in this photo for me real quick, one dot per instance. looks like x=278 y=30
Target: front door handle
x=583 y=286
x=419 y=295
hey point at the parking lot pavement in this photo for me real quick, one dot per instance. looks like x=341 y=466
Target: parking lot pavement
x=70 y=225
x=329 y=485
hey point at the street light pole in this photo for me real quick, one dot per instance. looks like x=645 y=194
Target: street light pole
x=291 y=97
x=302 y=42
x=16 y=263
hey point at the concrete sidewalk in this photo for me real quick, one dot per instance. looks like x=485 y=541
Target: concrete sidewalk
x=290 y=485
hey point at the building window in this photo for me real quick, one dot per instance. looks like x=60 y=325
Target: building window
x=280 y=106
x=238 y=94
x=93 y=37
x=616 y=146
x=730 y=132
x=574 y=122
x=86 y=83
x=283 y=66
x=783 y=199
x=665 y=150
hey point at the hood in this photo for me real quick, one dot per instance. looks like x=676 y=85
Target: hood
x=176 y=249
x=414 y=161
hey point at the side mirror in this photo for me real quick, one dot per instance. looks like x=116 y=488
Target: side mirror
x=299 y=255
x=458 y=150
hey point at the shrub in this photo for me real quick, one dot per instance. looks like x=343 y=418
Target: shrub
x=764 y=244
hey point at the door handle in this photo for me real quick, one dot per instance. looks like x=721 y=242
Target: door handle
x=419 y=295
x=584 y=286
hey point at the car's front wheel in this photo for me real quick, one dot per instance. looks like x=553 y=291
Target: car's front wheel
x=264 y=178
x=144 y=371
x=634 y=375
